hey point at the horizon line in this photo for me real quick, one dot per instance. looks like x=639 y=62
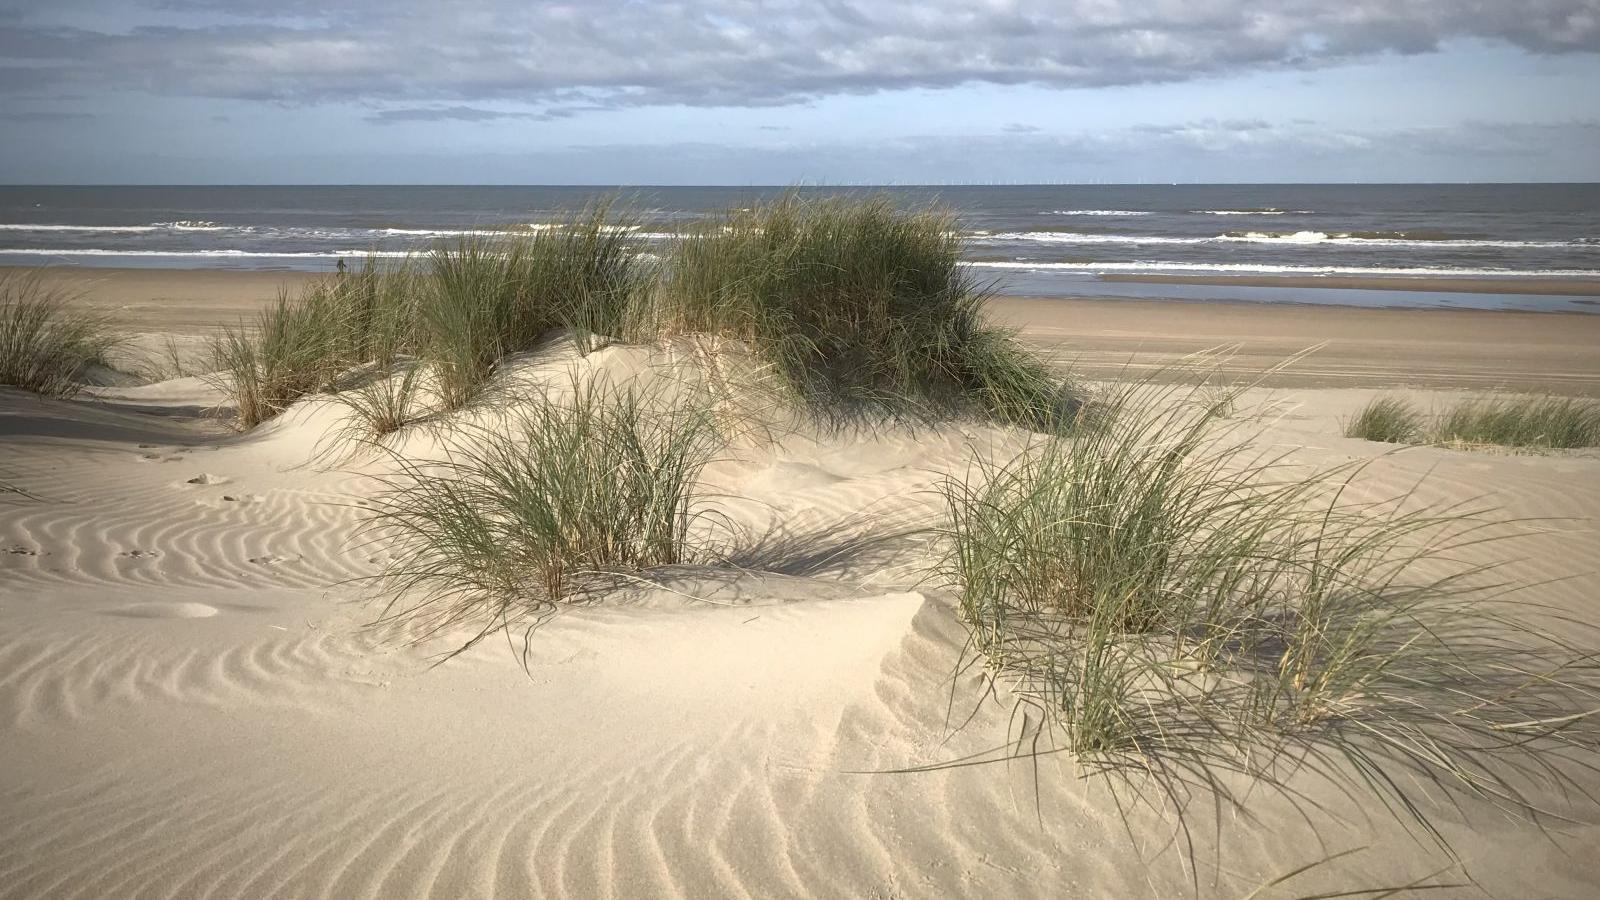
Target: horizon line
x=790 y=185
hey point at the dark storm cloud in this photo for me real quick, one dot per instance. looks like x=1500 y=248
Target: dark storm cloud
x=726 y=52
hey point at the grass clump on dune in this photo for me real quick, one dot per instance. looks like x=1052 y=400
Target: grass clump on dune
x=849 y=305
x=303 y=344
x=1388 y=419
x=45 y=344
x=1556 y=423
x=854 y=304
x=573 y=491
x=492 y=295
x=461 y=310
x=1536 y=422
x=1166 y=599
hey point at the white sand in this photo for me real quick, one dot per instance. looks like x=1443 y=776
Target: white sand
x=190 y=707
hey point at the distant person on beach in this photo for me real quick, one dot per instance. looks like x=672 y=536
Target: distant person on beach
x=341 y=265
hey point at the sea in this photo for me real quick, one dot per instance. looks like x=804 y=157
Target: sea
x=1031 y=240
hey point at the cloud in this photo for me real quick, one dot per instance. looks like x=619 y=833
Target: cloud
x=729 y=52
x=1019 y=128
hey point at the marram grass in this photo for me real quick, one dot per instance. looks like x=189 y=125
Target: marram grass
x=1533 y=422
x=461 y=310
x=849 y=306
x=492 y=295
x=856 y=306
x=556 y=505
x=45 y=344
x=1166 y=599
x=1392 y=420
x=1555 y=423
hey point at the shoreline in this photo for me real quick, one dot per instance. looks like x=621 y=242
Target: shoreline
x=1370 y=347
x=1565 y=287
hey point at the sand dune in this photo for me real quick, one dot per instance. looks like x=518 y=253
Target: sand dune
x=192 y=706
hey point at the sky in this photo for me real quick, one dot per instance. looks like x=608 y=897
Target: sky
x=798 y=91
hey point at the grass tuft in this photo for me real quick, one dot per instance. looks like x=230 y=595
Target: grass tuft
x=1164 y=596
x=1391 y=420
x=1555 y=423
x=45 y=344
x=856 y=306
x=461 y=310
x=1535 y=422
x=547 y=510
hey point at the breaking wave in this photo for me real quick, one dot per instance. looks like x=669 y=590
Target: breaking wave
x=1268 y=269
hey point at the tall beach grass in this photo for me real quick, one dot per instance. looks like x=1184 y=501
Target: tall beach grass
x=1392 y=420
x=574 y=489
x=1555 y=423
x=856 y=305
x=45 y=344
x=1166 y=598
x=460 y=309
x=495 y=294
x=1534 y=422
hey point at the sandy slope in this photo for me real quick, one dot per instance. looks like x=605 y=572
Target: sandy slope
x=190 y=706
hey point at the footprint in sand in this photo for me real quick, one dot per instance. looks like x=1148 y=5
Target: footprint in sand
x=207 y=478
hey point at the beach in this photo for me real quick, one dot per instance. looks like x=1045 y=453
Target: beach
x=806 y=450
x=193 y=702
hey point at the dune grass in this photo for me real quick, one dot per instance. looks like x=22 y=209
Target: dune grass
x=850 y=305
x=1554 y=423
x=461 y=309
x=1391 y=420
x=493 y=295
x=1166 y=599
x=45 y=344
x=549 y=508
x=1534 y=422
x=856 y=305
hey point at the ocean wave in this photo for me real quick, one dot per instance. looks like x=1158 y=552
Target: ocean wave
x=1297 y=238
x=121 y=229
x=88 y=229
x=1267 y=211
x=1393 y=239
x=429 y=232
x=1268 y=269
x=187 y=225
x=1095 y=212
x=209 y=254
x=1074 y=237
